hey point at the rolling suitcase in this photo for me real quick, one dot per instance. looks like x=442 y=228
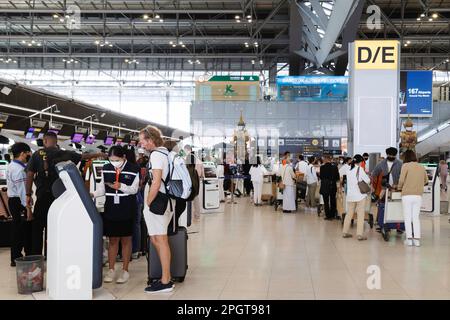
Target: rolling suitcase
x=178 y=250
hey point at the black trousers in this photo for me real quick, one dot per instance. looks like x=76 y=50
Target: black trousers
x=39 y=223
x=248 y=185
x=20 y=229
x=329 y=201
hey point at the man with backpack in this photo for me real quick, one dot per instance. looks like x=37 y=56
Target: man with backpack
x=42 y=172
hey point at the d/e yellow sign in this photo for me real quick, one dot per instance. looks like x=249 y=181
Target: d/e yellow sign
x=376 y=55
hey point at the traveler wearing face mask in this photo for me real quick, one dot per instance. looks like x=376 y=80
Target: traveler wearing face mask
x=389 y=168
x=120 y=184
x=365 y=163
x=17 y=202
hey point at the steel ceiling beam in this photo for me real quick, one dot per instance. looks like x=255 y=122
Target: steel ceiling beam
x=124 y=11
x=141 y=39
x=141 y=56
x=270 y=16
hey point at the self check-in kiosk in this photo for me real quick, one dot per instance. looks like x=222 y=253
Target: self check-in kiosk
x=75 y=244
x=210 y=189
x=95 y=178
x=3 y=168
x=431 y=199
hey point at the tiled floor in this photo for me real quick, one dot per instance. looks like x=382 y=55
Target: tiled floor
x=257 y=253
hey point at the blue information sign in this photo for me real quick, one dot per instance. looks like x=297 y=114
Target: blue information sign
x=312 y=88
x=416 y=93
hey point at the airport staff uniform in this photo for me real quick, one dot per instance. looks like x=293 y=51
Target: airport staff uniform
x=42 y=163
x=257 y=176
x=120 y=205
x=17 y=202
x=288 y=177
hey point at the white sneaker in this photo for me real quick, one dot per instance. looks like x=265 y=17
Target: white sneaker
x=123 y=277
x=109 y=276
x=409 y=242
x=417 y=243
x=135 y=255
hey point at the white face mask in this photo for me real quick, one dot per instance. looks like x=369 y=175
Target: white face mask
x=117 y=164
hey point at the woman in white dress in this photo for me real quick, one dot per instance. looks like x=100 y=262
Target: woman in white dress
x=257 y=172
x=289 y=192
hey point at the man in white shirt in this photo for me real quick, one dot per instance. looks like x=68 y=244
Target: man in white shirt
x=311 y=180
x=301 y=166
x=17 y=202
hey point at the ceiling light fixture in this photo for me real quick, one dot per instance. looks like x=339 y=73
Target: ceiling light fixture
x=103 y=43
x=152 y=18
x=31 y=43
x=7 y=60
x=434 y=16
x=131 y=61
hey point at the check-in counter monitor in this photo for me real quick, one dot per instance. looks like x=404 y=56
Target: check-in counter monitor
x=3 y=168
x=75 y=238
x=95 y=179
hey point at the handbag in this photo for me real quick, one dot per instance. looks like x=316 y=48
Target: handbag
x=363 y=186
x=385 y=179
x=159 y=204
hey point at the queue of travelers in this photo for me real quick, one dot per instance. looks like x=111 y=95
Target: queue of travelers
x=317 y=180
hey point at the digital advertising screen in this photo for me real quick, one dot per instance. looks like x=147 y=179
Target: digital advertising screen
x=77 y=137
x=30 y=133
x=109 y=141
x=312 y=88
x=90 y=139
x=416 y=93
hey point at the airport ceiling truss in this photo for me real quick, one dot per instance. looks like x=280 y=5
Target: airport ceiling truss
x=212 y=35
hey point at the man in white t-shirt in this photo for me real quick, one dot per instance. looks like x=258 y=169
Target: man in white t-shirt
x=311 y=180
x=301 y=166
x=160 y=213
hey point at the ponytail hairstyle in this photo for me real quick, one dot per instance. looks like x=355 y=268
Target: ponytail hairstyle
x=357 y=159
x=154 y=134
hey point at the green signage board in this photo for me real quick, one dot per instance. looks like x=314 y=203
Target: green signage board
x=234 y=78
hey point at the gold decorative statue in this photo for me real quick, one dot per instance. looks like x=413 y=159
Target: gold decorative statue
x=408 y=136
x=240 y=138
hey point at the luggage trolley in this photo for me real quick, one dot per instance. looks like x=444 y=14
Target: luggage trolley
x=267 y=189
x=390 y=214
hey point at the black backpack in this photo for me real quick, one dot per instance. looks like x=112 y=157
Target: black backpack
x=194 y=178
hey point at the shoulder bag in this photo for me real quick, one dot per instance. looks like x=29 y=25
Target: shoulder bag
x=363 y=186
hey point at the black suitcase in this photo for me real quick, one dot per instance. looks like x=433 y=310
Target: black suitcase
x=179 y=256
